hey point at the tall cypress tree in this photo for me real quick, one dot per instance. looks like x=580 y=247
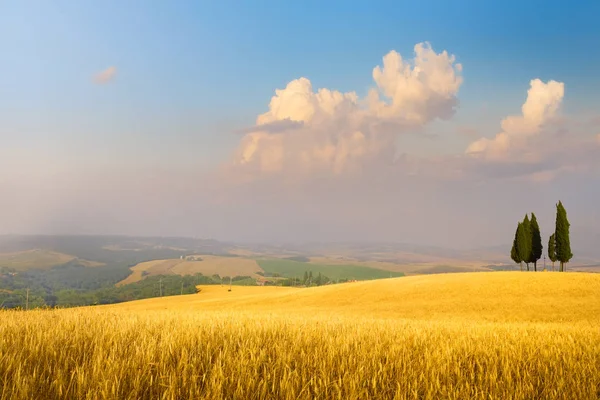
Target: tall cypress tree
x=524 y=243
x=563 y=243
x=536 y=242
x=514 y=252
x=552 y=249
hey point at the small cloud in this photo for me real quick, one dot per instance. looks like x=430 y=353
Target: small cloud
x=105 y=76
x=278 y=126
x=598 y=138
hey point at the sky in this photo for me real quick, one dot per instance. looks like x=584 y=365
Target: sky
x=431 y=122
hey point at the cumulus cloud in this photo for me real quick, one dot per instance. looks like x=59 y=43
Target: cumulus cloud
x=541 y=106
x=105 y=76
x=329 y=134
x=335 y=132
x=419 y=90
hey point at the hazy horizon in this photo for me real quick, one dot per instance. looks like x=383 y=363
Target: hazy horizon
x=439 y=126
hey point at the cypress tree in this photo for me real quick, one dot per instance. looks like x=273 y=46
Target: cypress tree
x=524 y=243
x=563 y=243
x=514 y=252
x=552 y=250
x=536 y=242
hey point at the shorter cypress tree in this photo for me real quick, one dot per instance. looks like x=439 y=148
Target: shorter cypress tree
x=552 y=250
x=536 y=242
x=524 y=243
x=514 y=252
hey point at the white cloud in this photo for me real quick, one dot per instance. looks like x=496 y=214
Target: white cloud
x=298 y=102
x=339 y=131
x=420 y=90
x=105 y=76
x=541 y=106
x=330 y=134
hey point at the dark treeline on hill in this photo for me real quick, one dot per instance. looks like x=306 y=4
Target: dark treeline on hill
x=45 y=288
x=527 y=243
x=307 y=280
x=75 y=283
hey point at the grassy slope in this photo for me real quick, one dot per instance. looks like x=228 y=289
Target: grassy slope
x=481 y=296
x=39 y=259
x=210 y=265
x=290 y=269
x=157 y=266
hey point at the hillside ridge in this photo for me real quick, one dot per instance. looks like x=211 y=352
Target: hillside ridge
x=487 y=296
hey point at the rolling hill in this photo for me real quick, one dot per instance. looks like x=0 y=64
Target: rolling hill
x=40 y=259
x=487 y=335
x=480 y=296
x=205 y=264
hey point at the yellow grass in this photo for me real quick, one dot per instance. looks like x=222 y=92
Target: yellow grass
x=480 y=296
x=154 y=267
x=462 y=336
x=210 y=265
x=224 y=266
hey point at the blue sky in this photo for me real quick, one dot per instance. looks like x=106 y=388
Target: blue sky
x=207 y=57
x=190 y=73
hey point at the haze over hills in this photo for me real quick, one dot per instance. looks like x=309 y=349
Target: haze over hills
x=397 y=253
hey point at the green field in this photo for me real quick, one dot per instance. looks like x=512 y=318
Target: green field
x=291 y=269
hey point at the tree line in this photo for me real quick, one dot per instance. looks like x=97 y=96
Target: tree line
x=18 y=290
x=527 y=244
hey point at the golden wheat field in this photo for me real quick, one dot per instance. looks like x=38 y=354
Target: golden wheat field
x=453 y=336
